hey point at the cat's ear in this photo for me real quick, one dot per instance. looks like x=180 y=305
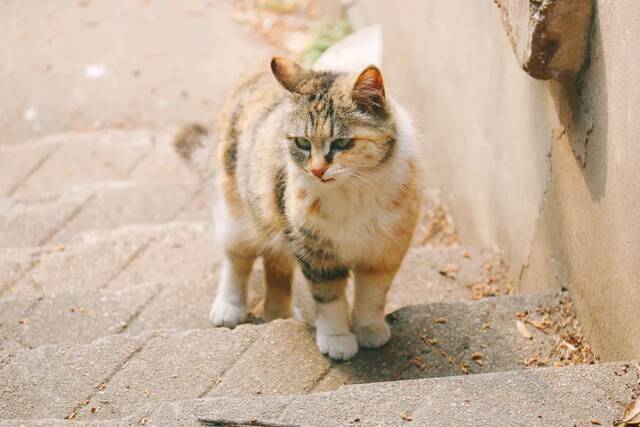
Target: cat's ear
x=288 y=73
x=368 y=90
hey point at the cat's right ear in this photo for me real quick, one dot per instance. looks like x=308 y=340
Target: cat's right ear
x=288 y=73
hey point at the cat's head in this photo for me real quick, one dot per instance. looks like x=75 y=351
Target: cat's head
x=341 y=127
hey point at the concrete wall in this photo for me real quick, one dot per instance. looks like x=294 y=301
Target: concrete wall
x=589 y=233
x=549 y=174
x=486 y=125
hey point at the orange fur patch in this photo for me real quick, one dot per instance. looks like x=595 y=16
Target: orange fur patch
x=301 y=194
x=378 y=269
x=402 y=195
x=315 y=207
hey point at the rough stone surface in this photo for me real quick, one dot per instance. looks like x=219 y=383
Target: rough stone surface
x=163 y=165
x=435 y=340
x=119 y=204
x=13 y=317
x=87 y=158
x=14 y=264
x=34 y=222
x=550 y=38
x=419 y=280
x=145 y=84
x=71 y=317
x=171 y=366
x=283 y=360
x=116 y=259
x=186 y=413
x=52 y=422
x=18 y=163
x=51 y=381
x=540 y=397
x=177 y=252
x=87 y=262
x=183 y=305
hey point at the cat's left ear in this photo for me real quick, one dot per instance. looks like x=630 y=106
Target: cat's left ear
x=368 y=90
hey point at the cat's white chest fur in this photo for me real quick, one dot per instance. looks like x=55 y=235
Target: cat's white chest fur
x=355 y=220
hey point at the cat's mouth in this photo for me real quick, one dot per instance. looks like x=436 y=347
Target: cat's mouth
x=327 y=179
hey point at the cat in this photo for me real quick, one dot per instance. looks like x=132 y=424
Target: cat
x=317 y=171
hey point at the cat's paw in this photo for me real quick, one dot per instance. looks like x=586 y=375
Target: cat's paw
x=373 y=335
x=338 y=347
x=226 y=314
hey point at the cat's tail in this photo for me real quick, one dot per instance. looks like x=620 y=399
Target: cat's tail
x=194 y=143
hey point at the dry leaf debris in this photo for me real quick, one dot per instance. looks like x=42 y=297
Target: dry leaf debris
x=569 y=346
x=495 y=280
x=437 y=227
x=449 y=270
x=522 y=328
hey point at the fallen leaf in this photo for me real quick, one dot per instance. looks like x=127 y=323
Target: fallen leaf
x=595 y=422
x=440 y=320
x=478 y=358
x=464 y=368
x=522 y=328
x=568 y=346
x=405 y=417
x=632 y=413
x=449 y=270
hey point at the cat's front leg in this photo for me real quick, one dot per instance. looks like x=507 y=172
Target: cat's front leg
x=372 y=284
x=230 y=305
x=333 y=333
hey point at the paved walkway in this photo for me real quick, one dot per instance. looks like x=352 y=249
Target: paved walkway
x=107 y=267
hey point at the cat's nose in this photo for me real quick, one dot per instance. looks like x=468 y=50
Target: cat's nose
x=319 y=171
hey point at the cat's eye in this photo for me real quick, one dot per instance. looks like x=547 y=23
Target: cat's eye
x=302 y=143
x=342 y=144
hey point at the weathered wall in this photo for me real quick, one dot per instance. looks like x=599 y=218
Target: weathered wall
x=589 y=233
x=486 y=125
x=549 y=174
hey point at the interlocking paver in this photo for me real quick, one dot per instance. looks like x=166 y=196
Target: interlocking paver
x=20 y=162
x=541 y=397
x=88 y=262
x=121 y=203
x=75 y=317
x=34 y=222
x=49 y=382
x=178 y=252
x=86 y=158
x=172 y=366
x=284 y=360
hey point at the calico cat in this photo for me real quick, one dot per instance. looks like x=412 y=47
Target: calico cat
x=317 y=172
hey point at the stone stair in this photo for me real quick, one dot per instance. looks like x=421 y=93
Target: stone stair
x=107 y=271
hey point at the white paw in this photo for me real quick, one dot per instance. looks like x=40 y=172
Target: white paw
x=373 y=335
x=226 y=314
x=338 y=347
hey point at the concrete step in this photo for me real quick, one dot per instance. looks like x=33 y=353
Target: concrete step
x=56 y=218
x=58 y=162
x=111 y=259
x=118 y=375
x=101 y=271
x=572 y=396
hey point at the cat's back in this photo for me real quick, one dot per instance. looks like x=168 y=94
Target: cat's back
x=248 y=153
